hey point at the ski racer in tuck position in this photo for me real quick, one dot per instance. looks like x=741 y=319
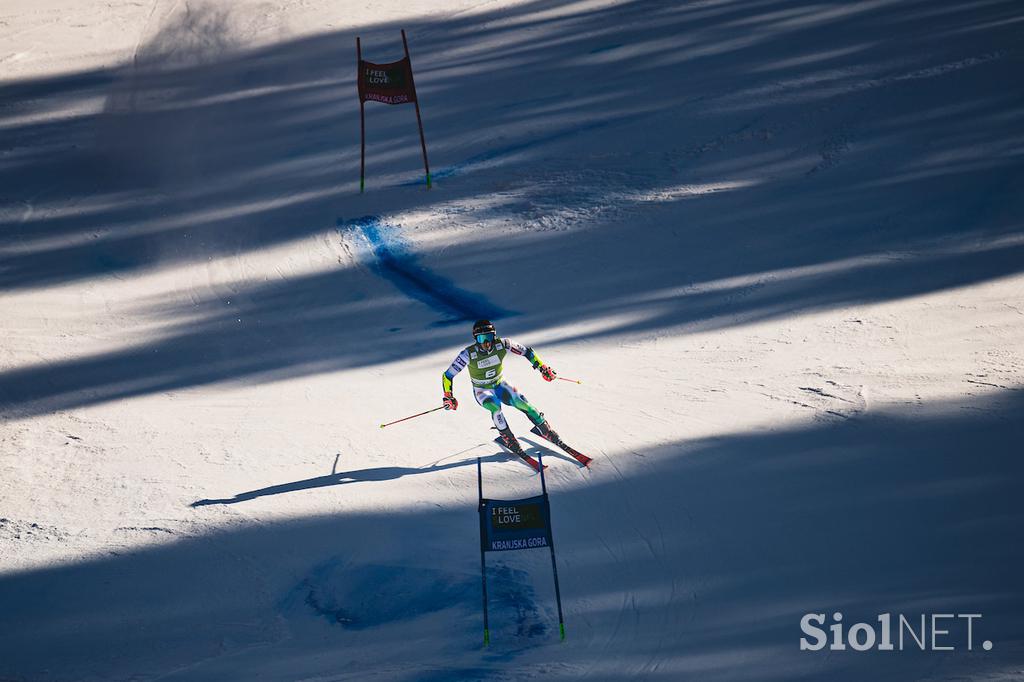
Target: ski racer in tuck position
x=484 y=359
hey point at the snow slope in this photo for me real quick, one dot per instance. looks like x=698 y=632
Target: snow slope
x=779 y=241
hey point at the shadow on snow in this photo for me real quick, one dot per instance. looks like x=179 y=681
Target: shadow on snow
x=700 y=560
x=204 y=149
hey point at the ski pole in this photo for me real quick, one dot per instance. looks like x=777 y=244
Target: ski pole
x=441 y=407
x=575 y=381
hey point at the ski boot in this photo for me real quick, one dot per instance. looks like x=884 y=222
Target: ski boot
x=509 y=440
x=545 y=431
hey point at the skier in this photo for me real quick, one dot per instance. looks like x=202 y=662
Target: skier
x=484 y=359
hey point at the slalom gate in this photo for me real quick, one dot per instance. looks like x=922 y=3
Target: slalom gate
x=390 y=83
x=516 y=524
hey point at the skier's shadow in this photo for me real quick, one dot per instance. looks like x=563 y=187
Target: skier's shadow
x=341 y=478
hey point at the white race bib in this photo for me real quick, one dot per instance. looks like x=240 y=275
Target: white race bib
x=489 y=362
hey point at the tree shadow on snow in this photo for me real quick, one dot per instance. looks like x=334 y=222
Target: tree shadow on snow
x=804 y=166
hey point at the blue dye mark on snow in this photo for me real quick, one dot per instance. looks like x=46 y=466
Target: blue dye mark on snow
x=362 y=597
x=513 y=609
x=393 y=261
x=370 y=596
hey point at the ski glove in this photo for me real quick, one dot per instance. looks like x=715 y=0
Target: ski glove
x=449 y=401
x=547 y=373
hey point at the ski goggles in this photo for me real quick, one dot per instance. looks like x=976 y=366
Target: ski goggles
x=485 y=338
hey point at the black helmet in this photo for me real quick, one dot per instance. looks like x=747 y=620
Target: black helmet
x=483 y=327
x=484 y=334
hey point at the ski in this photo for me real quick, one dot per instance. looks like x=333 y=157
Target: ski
x=525 y=457
x=580 y=457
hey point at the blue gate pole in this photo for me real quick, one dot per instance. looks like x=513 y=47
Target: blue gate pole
x=483 y=561
x=551 y=535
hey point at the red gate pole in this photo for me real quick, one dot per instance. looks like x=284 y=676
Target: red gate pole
x=362 y=121
x=416 y=101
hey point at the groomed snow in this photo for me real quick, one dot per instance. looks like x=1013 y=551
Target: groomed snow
x=779 y=241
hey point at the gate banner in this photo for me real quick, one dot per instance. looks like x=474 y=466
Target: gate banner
x=388 y=83
x=515 y=524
